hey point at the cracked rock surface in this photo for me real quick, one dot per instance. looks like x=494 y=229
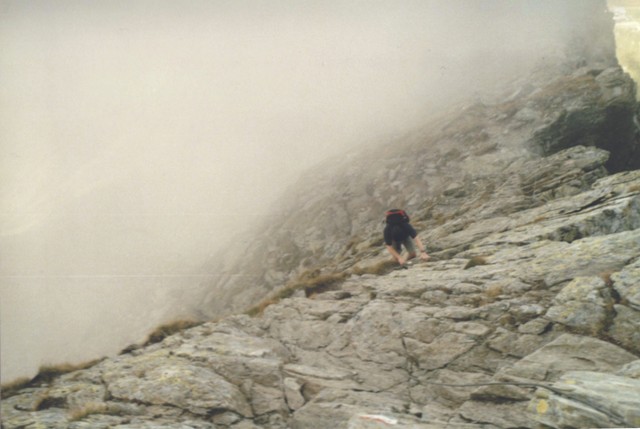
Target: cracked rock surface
x=430 y=346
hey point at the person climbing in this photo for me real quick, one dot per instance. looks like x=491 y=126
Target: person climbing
x=398 y=232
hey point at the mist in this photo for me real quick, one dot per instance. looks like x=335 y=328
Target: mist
x=139 y=138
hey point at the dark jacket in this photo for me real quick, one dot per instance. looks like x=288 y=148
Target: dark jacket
x=398 y=233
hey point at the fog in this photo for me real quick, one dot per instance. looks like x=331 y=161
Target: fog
x=139 y=138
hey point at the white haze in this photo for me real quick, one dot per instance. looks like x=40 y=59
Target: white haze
x=139 y=137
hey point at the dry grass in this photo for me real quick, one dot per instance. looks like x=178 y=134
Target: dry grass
x=377 y=242
x=440 y=219
x=87 y=410
x=9 y=389
x=606 y=277
x=351 y=247
x=475 y=261
x=312 y=282
x=323 y=283
x=567 y=85
x=258 y=309
x=378 y=269
x=47 y=373
x=163 y=331
x=540 y=219
x=493 y=291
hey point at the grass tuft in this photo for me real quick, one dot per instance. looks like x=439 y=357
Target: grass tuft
x=567 y=85
x=494 y=291
x=312 y=282
x=47 y=373
x=87 y=410
x=606 y=277
x=322 y=283
x=9 y=389
x=475 y=261
x=378 y=269
x=166 y=330
x=259 y=308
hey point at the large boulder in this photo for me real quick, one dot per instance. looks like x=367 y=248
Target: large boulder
x=592 y=108
x=581 y=399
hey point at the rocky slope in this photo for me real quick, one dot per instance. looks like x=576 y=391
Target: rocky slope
x=543 y=329
x=527 y=316
x=330 y=220
x=466 y=166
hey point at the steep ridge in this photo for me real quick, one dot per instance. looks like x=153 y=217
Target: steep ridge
x=465 y=166
x=543 y=328
x=331 y=218
x=528 y=313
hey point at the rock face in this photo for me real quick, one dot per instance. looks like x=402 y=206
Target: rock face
x=332 y=216
x=459 y=178
x=544 y=330
x=597 y=111
x=528 y=313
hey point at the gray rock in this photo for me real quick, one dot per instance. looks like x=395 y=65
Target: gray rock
x=631 y=370
x=535 y=326
x=293 y=394
x=440 y=351
x=157 y=378
x=498 y=415
x=625 y=328
x=627 y=284
x=582 y=304
x=584 y=121
x=514 y=344
x=568 y=353
x=589 y=399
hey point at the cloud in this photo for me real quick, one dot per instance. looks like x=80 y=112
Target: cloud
x=140 y=137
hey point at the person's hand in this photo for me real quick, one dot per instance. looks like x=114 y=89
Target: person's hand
x=424 y=256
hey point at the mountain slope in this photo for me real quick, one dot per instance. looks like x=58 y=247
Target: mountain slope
x=466 y=166
x=527 y=315
x=534 y=331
